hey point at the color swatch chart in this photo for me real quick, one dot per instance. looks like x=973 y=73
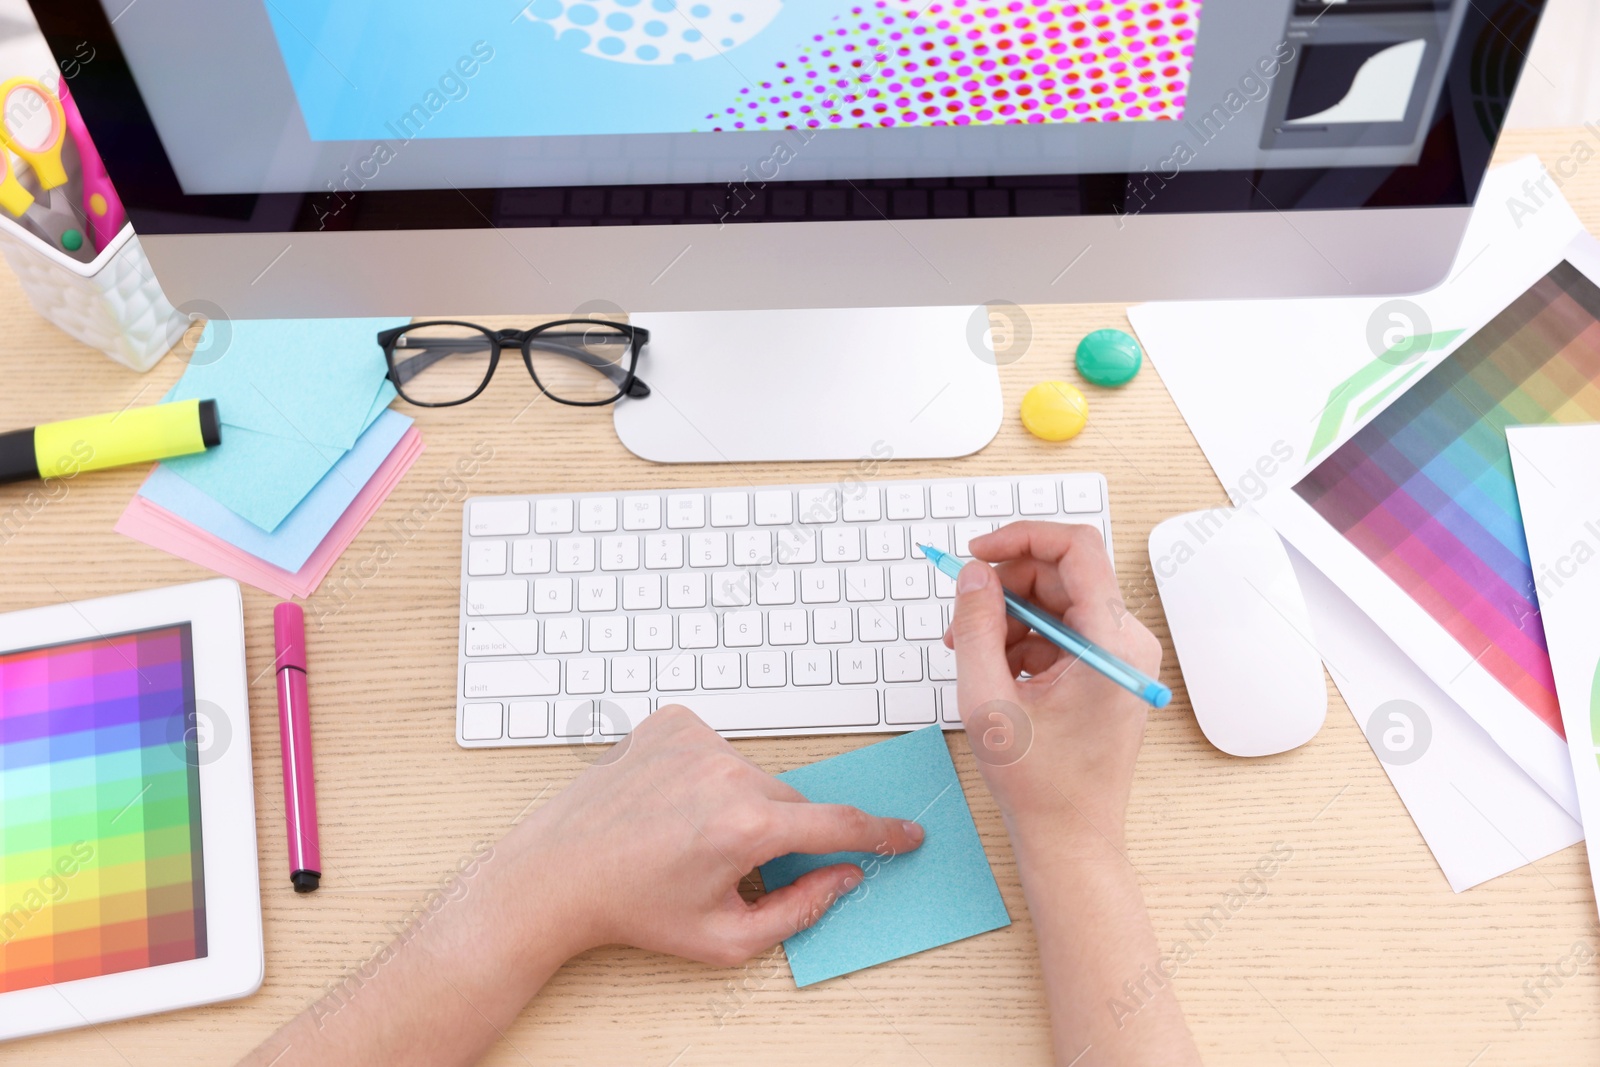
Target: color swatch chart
x=100 y=846
x=1425 y=490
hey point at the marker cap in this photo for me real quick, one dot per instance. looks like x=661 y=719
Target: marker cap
x=289 y=635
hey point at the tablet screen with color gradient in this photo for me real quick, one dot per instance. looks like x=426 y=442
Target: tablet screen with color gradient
x=1425 y=490
x=100 y=847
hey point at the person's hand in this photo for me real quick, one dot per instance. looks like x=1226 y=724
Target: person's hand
x=1057 y=748
x=656 y=837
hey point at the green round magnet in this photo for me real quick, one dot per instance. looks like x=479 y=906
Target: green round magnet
x=72 y=240
x=1109 y=357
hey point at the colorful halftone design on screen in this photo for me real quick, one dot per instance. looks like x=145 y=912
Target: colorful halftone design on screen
x=100 y=864
x=1425 y=490
x=966 y=62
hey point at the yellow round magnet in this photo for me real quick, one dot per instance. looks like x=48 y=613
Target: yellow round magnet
x=1055 y=411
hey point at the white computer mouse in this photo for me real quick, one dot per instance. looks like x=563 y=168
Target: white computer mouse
x=1241 y=629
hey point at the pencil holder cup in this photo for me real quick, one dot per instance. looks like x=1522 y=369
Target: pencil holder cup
x=113 y=302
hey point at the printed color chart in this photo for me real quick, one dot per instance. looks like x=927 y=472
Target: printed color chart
x=100 y=858
x=1425 y=490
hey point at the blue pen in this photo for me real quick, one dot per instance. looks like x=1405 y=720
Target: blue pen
x=1062 y=635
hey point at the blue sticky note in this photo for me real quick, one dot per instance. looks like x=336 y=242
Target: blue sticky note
x=262 y=477
x=304 y=379
x=939 y=893
x=299 y=534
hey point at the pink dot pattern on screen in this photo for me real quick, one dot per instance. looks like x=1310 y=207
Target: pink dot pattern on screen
x=979 y=62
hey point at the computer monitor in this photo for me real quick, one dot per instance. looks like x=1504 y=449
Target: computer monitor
x=336 y=157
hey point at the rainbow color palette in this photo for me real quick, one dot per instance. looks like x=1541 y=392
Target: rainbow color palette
x=1425 y=490
x=100 y=837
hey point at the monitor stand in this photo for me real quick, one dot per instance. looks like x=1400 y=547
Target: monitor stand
x=863 y=384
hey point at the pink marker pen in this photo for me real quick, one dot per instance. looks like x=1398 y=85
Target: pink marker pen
x=294 y=727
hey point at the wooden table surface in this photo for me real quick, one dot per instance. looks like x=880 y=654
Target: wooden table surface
x=1357 y=952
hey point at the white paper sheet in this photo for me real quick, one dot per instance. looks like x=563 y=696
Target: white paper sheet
x=1253 y=379
x=1558 y=485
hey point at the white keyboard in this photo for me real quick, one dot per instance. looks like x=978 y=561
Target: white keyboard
x=785 y=609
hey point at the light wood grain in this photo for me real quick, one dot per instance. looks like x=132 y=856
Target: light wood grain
x=1357 y=953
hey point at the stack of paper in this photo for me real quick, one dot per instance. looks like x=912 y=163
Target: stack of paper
x=1363 y=429
x=309 y=451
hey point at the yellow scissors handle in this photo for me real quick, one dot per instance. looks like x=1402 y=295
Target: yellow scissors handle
x=45 y=159
x=13 y=197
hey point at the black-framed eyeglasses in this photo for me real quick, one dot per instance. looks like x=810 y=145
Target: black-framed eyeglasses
x=582 y=362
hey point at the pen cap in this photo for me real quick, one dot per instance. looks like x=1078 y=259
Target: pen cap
x=289 y=634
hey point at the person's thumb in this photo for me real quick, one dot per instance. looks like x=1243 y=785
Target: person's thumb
x=978 y=635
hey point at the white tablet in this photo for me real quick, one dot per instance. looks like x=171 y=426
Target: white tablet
x=129 y=880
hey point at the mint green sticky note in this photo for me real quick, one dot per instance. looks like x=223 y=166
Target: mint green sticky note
x=939 y=893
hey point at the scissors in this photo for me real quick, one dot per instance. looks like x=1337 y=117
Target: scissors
x=57 y=224
x=100 y=202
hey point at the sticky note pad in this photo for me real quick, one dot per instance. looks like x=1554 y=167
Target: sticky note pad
x=939 y=893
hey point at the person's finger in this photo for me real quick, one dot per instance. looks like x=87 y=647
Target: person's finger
x=777 y=789
x=1038 y=581
x=784 y=912
x=1033 y=655
x=822 y=828
x=1079 y=556
x=978 y=635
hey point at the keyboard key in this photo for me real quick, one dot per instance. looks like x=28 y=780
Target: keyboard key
x=786 y=627
x=552 y=596
x=965 y=532
x=741 y=629
x=818 y=504
x=1080 y=493
x=663 y=552
x=858 y=666
x=863 y=583
x=641 y=592
x=562 y=636
x=597 y=594
x=752 y=548
x=774 y=507
x=903 y=663
x=507 y=637
x=652 y=633
x=819 y=585
x=600 y=718
x=505 y=597
x=941 y=664
x=886 y=542
x=730 y=509
x=497 y=518
x=686 y=590
x=991 y=499
x=481 y=722
x=730 y=589
x=797 y=546
x=944 y=586
x=552 y=516
x=530 y=557
x=812 y=666
x=574 y=555
x=641 y=513
x=765 y=670
x=906 y=502
x=841 y=544
x=608 y=634
x=948 y=500
x=924 y=622
x=708 y=550
x=934 y=535
x=786 y=711
x=949 y=710
x=720 y=670
x=586 y=675
x=675 y=674
x=776 y=586
x=876 y=622
x=909 y=581
x=831 y=626
x=486 y=557
x=686 y=511
x=529 y=718
x=630 y=674
x=1036 y=496
x=864 y=504
x=697 y=630
x=513 y=678
x=597 y=514
x=907 y=706
x=619 y=553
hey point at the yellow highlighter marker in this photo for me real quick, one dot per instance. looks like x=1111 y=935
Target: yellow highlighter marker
x=137 y=435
